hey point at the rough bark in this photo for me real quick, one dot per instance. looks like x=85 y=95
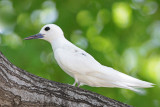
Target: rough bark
x=19 y=88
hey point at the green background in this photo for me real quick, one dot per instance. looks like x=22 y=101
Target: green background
x=124 y=35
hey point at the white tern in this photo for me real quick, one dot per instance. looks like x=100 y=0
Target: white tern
x=82 y=66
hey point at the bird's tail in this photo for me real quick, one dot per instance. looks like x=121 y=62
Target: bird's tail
x=133 y=84
x=117 y=79
x=128 y=82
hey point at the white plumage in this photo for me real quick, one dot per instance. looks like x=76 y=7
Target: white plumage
x=82 y=66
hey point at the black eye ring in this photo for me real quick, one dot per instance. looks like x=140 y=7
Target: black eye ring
x=47 y=28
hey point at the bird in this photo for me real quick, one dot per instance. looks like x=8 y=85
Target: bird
x=84 y=68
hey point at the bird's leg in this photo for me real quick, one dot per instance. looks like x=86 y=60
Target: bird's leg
x=76 y=81
x=74 y=84
x=78 y=84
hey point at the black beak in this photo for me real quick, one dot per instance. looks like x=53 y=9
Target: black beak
x=37 y=36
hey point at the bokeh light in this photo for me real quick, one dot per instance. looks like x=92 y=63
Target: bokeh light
x=122 y=14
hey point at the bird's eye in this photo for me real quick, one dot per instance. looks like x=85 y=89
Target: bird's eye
x=47 y=28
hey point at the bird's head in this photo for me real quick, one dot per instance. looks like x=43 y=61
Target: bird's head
x=48 y=32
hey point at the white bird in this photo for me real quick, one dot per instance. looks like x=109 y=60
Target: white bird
x=82 y=66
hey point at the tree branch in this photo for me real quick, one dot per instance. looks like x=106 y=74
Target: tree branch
x=19 y=88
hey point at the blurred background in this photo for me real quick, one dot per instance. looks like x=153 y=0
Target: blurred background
x=124 y=35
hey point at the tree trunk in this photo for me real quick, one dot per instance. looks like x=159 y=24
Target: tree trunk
x=19 y=88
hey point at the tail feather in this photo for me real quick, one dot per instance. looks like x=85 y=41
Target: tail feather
x=113 y=78
x=130 y=88
x=133 y=82
x=140 y=84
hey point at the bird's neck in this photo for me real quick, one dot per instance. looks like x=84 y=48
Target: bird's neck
x=59 y=43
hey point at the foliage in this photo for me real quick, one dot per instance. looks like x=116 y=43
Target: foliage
x=124 y=35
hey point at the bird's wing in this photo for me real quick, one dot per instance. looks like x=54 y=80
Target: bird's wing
x=120 y=79
x=76 y=60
